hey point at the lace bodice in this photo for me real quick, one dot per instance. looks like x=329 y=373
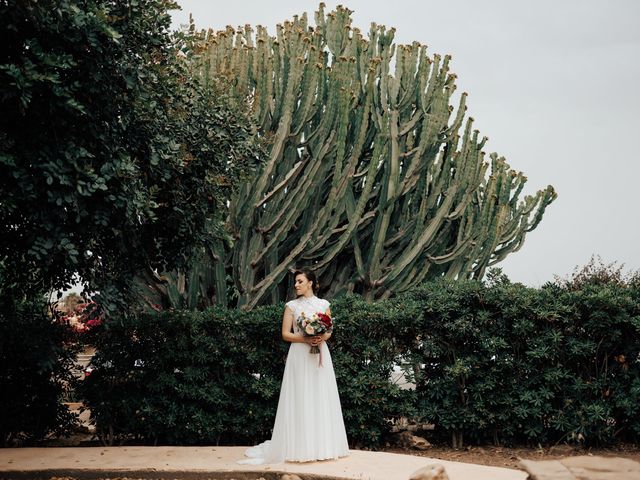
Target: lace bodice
x=309 y=306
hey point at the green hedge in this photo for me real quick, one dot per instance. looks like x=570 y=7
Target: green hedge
x=497 y=363
x=514 y=364
x=184 y=377
x=36 y=370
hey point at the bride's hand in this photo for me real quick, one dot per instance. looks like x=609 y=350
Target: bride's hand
x=313 y=340
x=319 y=339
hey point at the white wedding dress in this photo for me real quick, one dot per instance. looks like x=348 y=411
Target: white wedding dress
x=309 y=424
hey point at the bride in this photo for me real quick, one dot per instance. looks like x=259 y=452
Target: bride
x=308 y=424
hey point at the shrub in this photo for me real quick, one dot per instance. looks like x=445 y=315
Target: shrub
x=183 y=377
x=507 y=363
x=370 y=339
x=36 y=361
x=494 y=362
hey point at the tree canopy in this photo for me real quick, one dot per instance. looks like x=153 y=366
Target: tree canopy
x=113 y=156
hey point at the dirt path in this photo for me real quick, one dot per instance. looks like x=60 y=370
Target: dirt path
x=508 y=457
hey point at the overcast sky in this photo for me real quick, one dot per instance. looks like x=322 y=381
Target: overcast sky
x=554 y=84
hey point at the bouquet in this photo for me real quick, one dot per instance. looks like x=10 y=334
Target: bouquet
x=317 y=324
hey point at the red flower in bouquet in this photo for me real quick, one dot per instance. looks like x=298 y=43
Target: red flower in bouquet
x=325 y=320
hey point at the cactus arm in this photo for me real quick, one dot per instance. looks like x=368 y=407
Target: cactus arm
x=372 y=178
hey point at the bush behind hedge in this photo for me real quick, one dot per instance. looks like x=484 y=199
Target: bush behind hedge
x=36 y=369
x=496 y=362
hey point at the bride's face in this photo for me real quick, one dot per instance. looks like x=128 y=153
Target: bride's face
x=303 y=285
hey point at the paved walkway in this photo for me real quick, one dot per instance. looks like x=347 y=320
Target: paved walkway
x=584 y=467
x=219 y=462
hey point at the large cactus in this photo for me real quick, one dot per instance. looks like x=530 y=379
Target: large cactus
x=372 y=180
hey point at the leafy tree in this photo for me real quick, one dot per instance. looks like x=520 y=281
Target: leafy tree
x=596 y=272
x=71 y=301
x=113 y=157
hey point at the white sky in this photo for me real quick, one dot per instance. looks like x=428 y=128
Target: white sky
x=554 y=84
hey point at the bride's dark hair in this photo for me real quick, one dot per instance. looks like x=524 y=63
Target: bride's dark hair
x=311 y=276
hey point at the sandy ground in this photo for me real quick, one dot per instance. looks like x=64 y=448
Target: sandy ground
x=508 y=457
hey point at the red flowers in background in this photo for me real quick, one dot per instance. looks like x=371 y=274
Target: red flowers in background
x=84 y=317
x=94 y=322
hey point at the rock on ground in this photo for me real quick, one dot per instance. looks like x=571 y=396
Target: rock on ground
x=430 y=472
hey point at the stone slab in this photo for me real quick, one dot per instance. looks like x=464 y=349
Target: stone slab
x=220 y=463
x=583 y=467
x=546 y=470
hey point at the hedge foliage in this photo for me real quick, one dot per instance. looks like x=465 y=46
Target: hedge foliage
x=495 y=362
x=514 y=364
x=36 y=369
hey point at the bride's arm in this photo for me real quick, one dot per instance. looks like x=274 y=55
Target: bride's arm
x=287 y=334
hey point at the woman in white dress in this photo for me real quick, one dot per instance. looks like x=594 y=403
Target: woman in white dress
x=309 y=424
